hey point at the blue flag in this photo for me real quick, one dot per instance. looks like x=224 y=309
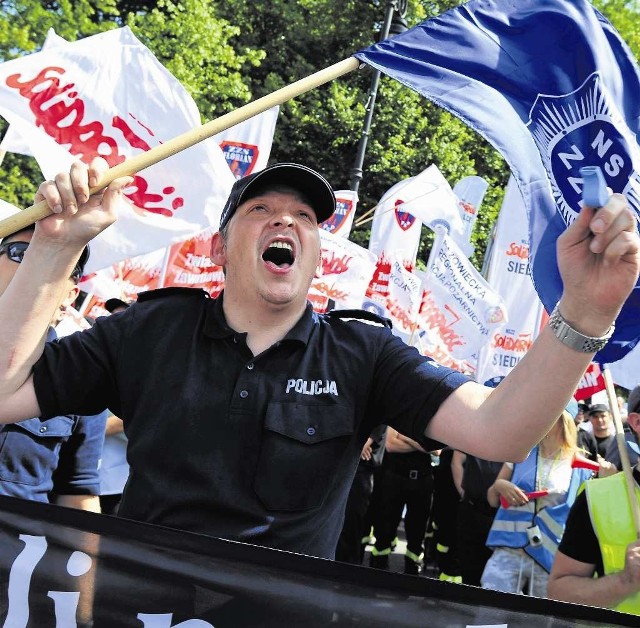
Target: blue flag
x=552 y=86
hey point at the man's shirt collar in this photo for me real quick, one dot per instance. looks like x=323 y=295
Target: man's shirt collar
x=216 y=324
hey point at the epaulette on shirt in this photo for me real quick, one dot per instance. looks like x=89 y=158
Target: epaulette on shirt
x=171 y=292
x=361 y=315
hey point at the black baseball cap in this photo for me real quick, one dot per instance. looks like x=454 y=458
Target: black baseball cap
x=114 y=303
x=312 y=185
x=598 y=407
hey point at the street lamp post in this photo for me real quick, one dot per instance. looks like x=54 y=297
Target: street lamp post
x=394 y=23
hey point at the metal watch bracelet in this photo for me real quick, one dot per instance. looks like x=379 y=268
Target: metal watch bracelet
x=573 y=338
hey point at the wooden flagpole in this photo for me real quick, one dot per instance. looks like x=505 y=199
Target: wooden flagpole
x=622 y=447
x=186 y=140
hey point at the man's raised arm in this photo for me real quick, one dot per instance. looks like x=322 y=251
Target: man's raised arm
x=29 y=302
x=599 y=261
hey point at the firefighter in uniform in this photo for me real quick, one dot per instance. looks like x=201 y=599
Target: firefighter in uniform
x=406 y=479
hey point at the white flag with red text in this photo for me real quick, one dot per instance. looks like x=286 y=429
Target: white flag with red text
x=459 y=310
x=510 y=275
x=403 y=299
x=184 y=264
x=108 y=95
x=189 y=265
x=346 y=271
x=123 y=280
x=12 y=142
x=247 y=146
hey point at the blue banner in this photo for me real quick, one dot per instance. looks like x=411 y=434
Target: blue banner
x=552 y=86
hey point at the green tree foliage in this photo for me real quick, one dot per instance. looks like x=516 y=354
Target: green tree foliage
x=194 y=44
x=186 y=36
x=323 y=127
x=23 y=28
x=229 y=53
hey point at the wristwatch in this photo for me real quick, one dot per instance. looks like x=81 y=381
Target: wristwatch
x=573 y=338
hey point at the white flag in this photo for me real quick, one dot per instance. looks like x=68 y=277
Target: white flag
x=510 y=275
x=346 y=271
x=12 y=142
x=426 y=199
x=108 y=95
x=403 y=300
x=626 y=372
x=393 y=228
x=127 y=278
x=247 y=146
x=341 y=221
x=459 y=309
x=470 y=193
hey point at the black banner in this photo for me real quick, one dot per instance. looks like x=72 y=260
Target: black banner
x=61 y=568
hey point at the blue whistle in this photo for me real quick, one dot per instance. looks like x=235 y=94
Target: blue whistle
x=594 y=187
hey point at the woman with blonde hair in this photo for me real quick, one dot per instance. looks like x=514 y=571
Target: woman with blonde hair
x=534 y=498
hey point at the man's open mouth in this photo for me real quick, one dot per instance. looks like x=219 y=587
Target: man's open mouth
x=279 y=253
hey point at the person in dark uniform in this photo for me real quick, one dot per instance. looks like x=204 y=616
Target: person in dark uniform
x=445 y=519
x=246 y=414
x=406 y=481
x=473 y=477
x=350 y=547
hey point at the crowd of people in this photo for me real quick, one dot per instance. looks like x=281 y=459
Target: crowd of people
x=536 y=527
x=248 y=416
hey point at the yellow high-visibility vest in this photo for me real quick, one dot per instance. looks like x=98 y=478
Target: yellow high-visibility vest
x=613 y=524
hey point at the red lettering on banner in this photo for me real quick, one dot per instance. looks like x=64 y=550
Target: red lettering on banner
x=319 y=302
x=518 y=250
x=63 y=120
x=330 y=291
x=431 y=317
x=400 y=314
x=334 y=265
x=520 y=344
x=468 y=208
x=592 y=382
x=135 y=140
x=379 y=285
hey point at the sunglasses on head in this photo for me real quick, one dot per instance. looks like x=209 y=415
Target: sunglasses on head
x=15 y=252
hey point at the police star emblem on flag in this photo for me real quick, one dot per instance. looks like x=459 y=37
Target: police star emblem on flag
x=584 y=127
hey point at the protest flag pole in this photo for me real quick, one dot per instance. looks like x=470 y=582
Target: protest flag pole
x=393 y=24
x=139 y=162
x=622 y=448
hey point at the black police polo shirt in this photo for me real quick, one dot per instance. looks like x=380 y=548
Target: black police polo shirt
x=260 y=449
